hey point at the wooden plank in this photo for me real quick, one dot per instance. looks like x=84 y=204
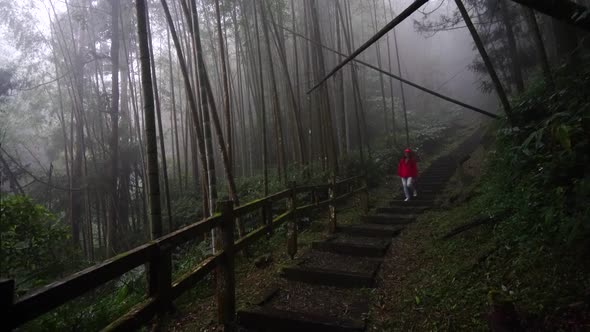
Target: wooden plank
x=280 y=195
x=350 y=179
x=191 y=278
x=135 y=318
x=249 y=207
x=305 y=207
x=251 y=237
x=344 y=196
x=281 y=218
x=189 y=232
x=57 y=293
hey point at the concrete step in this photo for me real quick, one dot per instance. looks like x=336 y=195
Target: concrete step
x=354 y=246
x=270 y=319
x=370 y=230
x=335 y=278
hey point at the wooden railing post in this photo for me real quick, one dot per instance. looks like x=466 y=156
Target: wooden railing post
x=225 y=273
x=292 y=223
x=6 y=301
x=364 y=199
x=160 y=277
x=267 y=215
x=332 y=206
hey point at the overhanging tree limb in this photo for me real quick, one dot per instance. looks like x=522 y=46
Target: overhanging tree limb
x=419 y=87
x=485 y=58
x=392 y=24
x=563 y=10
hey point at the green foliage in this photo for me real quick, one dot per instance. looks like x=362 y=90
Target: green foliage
x=544 y=156
x=35 y=247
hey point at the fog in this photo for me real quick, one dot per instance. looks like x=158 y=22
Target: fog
x=230 y=116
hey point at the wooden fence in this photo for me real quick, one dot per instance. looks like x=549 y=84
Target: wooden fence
x=156 y=256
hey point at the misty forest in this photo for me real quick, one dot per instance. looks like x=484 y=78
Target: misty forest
x=291 y=165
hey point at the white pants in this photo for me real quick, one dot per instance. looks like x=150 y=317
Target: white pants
x=407 y=184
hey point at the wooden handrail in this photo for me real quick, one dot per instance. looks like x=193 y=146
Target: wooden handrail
x=57 y=293
x=156 y=255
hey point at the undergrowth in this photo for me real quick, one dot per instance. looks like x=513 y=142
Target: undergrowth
x=533 y=252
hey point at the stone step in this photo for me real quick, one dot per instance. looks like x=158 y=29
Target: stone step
x=401 y=210
x=335 y=278
x=413 y=203
x=443 y=178
x=354 y=246
x=370 y=230
x=270 y=319
x=388 y=219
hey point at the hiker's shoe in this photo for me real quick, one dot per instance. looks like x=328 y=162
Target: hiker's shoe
x=407 y=199
x=415 y=194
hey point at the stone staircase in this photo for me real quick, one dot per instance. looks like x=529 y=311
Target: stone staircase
x=326 y=289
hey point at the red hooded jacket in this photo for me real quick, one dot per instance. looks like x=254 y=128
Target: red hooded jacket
x=407 y=169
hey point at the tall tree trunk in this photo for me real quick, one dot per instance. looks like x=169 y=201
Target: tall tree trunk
x=514 y=59
x=262 y=107
x=379 y=65
x=275 y=102
x=332 y=149
x=226 y=101
x=401 y=87
x=111 y=246
x=281 y=50
x=343 y=132
x=206 y=85
x=161 y=132
x=174 y=117
x=150 y=120
x=390 y=67
x=529 y=15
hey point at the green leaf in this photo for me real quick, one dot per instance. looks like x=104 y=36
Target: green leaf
x=561 y=134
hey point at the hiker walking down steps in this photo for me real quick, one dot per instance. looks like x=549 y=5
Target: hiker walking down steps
x=407 y=170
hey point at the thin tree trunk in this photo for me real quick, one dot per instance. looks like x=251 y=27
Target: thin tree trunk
x=161 y=133
x=150 y=120
x=379 y=65
x=281 y=50
x=226 y=100
x=514 y=60
x=263 y=107
x=275 y=102
x=529 y=15
x=174 y=117
x=111 y=246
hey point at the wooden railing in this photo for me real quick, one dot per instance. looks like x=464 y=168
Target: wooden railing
x=156 y=256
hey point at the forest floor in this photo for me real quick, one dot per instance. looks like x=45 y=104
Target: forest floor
x=441 y=276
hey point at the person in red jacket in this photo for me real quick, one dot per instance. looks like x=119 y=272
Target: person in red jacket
x=407 y=170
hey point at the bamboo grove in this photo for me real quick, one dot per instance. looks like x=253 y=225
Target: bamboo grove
x=228 y=93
